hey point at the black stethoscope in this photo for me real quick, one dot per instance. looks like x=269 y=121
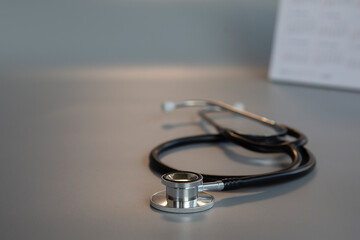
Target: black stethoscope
x=185 y=190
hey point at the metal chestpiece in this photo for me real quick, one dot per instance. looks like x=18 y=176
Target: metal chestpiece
x=182 y=194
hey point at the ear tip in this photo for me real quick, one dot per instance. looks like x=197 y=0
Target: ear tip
x=168 y=106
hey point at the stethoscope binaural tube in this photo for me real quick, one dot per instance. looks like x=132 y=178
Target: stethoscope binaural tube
x=275 y=139
x=211 y=106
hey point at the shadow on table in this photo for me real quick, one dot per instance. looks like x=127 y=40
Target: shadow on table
x=258 y=194
x=181 y=217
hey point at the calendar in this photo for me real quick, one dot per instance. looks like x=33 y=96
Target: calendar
x=317 y=42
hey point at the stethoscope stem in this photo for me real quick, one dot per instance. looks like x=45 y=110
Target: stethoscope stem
x=212 y=186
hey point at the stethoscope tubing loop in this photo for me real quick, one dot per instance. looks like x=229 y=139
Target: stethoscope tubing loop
x=302 y=161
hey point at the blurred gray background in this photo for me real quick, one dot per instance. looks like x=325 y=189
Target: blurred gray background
x=39 y=33
x=81 y=84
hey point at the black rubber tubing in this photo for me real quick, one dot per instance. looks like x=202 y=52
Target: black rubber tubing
x=302 y=160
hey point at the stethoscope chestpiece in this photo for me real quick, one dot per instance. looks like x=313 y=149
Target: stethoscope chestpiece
x=182 y=194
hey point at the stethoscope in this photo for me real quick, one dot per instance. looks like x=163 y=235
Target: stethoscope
x=185 y=190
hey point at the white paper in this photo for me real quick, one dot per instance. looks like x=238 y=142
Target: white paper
x=317 y=42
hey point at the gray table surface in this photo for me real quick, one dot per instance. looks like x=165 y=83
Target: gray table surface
x=75 y=144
